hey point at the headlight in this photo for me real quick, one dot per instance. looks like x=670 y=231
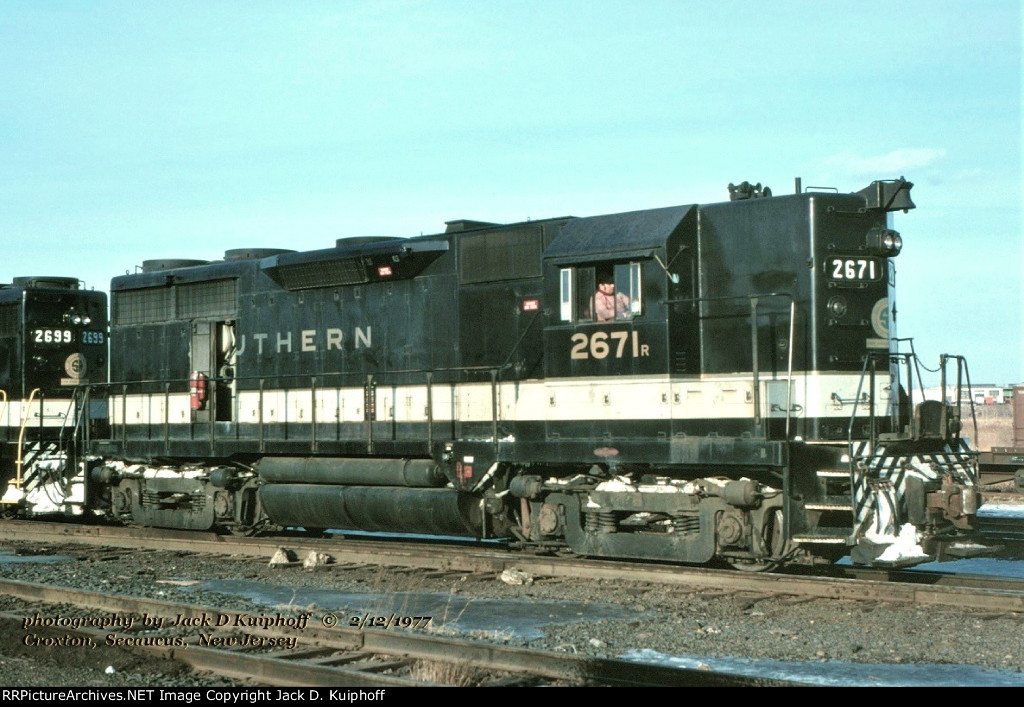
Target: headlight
x=883 y=241
x=892 y=242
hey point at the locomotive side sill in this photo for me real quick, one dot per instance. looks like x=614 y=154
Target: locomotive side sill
x=833 y=474
x=894 y=436
x=829 y=506
x=820 y=539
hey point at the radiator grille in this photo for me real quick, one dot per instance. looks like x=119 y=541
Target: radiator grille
x=331 y=273
x=509 y=254
x=153 y=304
x=198 y=300
x=9 y=319
x=218 y=298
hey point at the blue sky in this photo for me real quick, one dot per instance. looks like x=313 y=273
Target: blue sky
x=132 y=131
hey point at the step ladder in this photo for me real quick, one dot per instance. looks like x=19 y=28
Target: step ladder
x=834 y=508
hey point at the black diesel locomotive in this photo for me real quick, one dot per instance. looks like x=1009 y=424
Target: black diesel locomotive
x=53 y=346
x=692 y=384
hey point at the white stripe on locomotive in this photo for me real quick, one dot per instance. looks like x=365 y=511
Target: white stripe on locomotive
x=553 y=400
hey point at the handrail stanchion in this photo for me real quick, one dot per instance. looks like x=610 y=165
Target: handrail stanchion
x=20 y=460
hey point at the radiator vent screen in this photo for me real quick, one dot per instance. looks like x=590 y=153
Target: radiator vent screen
x=153 y=304
x=202 y=300
x=508 y=254
x=326 y=273
x=217 y=299
x=9 y=319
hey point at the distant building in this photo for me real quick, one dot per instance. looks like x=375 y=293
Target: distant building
x=984 y=394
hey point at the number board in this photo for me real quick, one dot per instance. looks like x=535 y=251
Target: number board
x=52 y=336
x=854 y=269
x=66 y=336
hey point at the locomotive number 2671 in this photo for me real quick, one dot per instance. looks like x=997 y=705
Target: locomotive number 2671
x=854 y=269
x=602 y=344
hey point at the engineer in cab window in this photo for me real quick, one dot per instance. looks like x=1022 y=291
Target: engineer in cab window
x=607 y=304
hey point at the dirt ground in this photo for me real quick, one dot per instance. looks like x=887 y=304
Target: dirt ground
x=46 y=657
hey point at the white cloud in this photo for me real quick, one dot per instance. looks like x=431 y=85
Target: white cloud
x=895 y=162
x=969 y=173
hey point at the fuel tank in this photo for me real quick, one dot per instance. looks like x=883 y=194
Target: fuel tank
x=372 y=508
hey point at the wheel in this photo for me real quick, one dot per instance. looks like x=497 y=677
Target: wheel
x=747 y=565
x=772 y=533
x=771 y=536
x=249 y=531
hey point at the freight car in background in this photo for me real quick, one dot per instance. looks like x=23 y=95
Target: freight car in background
x=1005 y=463
x=704 y=383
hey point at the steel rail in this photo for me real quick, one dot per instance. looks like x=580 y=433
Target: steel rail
x=884 y=585
x=278 y=670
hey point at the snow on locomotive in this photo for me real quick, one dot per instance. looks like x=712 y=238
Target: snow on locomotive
x=695 y=384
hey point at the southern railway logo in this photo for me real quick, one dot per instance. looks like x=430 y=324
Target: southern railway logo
x=76 y=368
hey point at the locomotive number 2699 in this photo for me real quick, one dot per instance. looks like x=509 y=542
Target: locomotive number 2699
x=602 y=344
x=65 y=336
x=51 y=336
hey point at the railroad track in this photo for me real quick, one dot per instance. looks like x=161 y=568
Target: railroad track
x=912 y=586
x=999 y=483
x=306 y=649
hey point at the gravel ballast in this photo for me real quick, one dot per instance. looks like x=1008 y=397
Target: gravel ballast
x=673 y=621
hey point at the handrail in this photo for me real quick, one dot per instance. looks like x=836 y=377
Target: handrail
x=21 y=438
x=789 y=368
x=961 y=373
x=317 y=380
x=910 y=359
x=754 y=300
x=74 y=411
x=868 y=369
x=320 y=380
x=81 y=432
x=320 y=374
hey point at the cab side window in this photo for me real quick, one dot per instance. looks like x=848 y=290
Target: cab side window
x=600 y=293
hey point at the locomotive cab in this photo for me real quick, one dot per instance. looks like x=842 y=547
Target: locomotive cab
x=740 y=364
